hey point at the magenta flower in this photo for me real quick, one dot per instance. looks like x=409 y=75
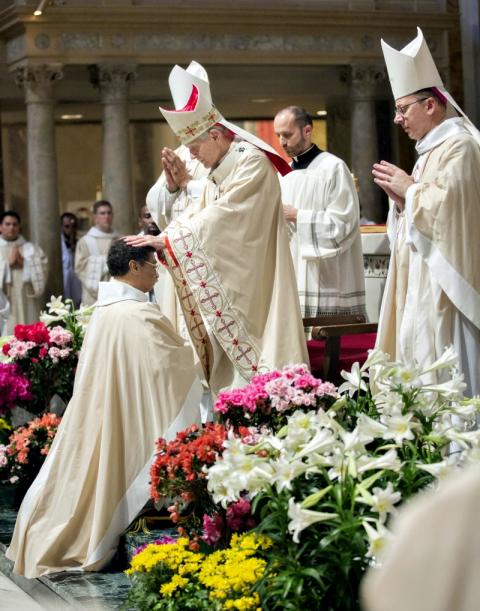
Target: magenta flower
x=14 y=387
x=239 y=516
x=212 y=528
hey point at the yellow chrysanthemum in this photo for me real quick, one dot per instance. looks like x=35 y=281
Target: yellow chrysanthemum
x=176 y=582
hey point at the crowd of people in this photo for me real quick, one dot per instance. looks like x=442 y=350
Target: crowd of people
x=248 y=246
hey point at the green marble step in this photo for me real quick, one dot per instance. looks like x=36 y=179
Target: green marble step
x=105 y=590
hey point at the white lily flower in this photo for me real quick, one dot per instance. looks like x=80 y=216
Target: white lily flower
x=355 y=441
x=323 y=441
x=303 y=518
x=427 y=403
x=465 y=439
x=389 y=403
x=48 y=319
x=284 y=472
x=384 y=501
x=451 y=389
x=389 y=460
x=467 y=409
x=375 y=357
x=57 y=306
x=368 y=427
x=441 y=470
x=447 y=360
x=407 y=377
x=354 y=381
x=399 y=428
x=378 y=539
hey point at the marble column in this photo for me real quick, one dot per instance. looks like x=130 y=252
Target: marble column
x=364 y=142
x=113 y=82
x=44 y=213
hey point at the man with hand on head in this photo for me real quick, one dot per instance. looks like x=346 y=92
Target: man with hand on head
x=229 y=255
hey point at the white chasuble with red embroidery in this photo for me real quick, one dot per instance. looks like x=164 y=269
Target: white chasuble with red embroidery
x=231 y=264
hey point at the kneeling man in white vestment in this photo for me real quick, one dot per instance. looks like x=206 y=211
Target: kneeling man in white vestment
x=135 y=382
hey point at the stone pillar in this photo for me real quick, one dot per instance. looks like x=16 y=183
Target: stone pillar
x=44 y=212
x=364 y=139
x=113 y=82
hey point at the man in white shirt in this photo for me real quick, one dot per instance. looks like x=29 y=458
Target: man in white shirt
x=320 y=204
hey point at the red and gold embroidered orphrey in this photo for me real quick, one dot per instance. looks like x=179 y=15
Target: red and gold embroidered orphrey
x=198 y=289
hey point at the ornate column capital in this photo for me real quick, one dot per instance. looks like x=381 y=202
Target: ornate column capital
x=112 y=80
x=364 y=78
x=38 y=81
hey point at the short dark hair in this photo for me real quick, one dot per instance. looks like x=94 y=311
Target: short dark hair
x=68 y=215
x=429 y=92
x=10 y=213
x=120 y=254
x=99 y=204
x=300 y=115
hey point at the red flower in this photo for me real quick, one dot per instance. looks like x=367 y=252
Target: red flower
x=36 y=332
x=42 y=352
x=5 y=348
x=178 y=464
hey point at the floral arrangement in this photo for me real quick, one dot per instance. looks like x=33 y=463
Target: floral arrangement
x=174 y=578
x=22 y=458
x=178 y=473
x=270 y=397
x=14 y=387
x=46 y=353
x=332 y=478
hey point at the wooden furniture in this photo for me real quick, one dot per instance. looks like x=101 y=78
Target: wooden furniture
x=337 y=342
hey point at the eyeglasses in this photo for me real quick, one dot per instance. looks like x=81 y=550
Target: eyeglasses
x=401 y=110
x=151 y=263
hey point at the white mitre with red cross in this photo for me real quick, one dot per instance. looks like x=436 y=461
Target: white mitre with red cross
x=195 y=112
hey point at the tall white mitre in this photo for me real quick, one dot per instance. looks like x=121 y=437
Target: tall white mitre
x=412 y=68
x=195 y=112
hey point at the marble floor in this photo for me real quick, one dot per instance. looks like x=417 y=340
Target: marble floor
x=60 y=591
x=13 y=598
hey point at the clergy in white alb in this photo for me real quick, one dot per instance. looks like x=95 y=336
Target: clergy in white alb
x=432 y=293
x=23 y=273
x=135 y=382
x=322 y=210
x=229 y=256
x=91 y=252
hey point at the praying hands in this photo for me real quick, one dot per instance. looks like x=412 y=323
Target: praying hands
x=393 y=181
x=176 y=173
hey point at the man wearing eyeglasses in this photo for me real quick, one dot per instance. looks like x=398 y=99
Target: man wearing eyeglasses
x=432 y=295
